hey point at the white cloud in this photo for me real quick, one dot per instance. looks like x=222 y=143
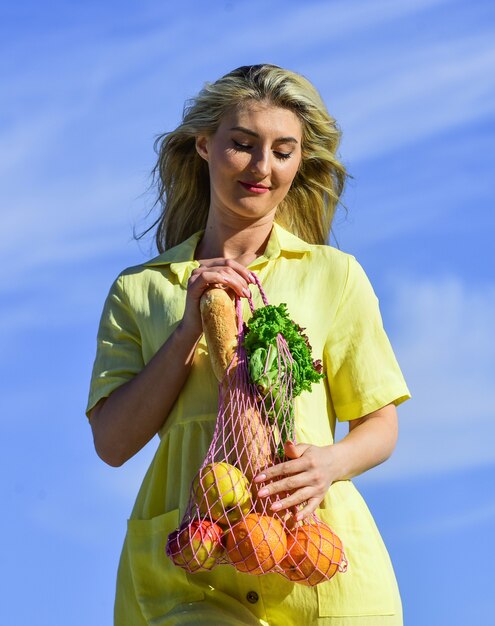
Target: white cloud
x=448 y=342
x=306 y=27
x=417 y=93
x=81 y=218
x=446 y=348
x=67 y=220
x=85 y=72
x=81 y=69
x=462 y=519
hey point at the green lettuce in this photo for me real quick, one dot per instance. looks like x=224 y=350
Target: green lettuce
x=260 y=343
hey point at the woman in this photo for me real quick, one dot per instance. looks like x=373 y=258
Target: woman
x=249 y=183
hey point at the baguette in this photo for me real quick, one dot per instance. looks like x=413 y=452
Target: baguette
x=250 y=434
x=220 y=328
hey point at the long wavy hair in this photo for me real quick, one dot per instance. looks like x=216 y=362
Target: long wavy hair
x=181 y=175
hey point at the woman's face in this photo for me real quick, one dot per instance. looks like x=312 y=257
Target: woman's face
x=253 y=158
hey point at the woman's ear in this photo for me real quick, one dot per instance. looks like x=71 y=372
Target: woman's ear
x=202 y=146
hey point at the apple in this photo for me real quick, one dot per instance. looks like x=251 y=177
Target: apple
x=222 y=493
x=196 y=545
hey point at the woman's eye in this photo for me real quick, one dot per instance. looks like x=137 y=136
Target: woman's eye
x=245 y=147
x=240 y=146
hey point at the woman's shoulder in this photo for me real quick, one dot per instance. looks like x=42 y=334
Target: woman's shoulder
x=135 y=272
x=331 y=253
x=327 y=254
x=172 y=265
x=133 y=275
x=333 y=262
x=136 y=283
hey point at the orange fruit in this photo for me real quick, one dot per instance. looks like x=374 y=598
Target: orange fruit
x=314 y=553
x=256 y=544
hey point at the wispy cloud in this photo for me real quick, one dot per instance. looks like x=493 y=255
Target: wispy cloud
x=90 y=84
x=396 y=96
x=462 y=519
x=434 y=93
x=80 y=80
x=87 y=212
x=446 y=347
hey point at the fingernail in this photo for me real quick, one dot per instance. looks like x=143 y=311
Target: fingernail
x=252 y=276
x=275 y=506
x=260 y=478
x=246 y=292
x=263 y=492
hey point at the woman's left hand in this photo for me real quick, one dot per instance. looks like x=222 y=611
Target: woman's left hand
x=305 y=478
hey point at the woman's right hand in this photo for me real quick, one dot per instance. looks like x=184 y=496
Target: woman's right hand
x=133 y=413
x=219 y=272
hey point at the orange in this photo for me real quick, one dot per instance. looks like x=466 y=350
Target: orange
x=256 y=544
x=314 y=553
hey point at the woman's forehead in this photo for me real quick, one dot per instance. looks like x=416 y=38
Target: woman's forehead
x=265 y=116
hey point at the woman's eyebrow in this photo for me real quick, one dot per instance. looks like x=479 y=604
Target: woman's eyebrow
x=253 y=134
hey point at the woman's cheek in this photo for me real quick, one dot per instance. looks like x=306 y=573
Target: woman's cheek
x=237 y=163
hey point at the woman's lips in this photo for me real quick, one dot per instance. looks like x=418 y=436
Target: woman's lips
x=254 y=187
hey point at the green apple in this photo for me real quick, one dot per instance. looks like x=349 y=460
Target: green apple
x=222 y=493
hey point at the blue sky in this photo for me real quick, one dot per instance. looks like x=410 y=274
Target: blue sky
x=86 y=88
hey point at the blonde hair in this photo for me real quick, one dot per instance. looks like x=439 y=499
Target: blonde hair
x=182 y=177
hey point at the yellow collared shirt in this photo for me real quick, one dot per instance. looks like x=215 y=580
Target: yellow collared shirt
x=328 y=294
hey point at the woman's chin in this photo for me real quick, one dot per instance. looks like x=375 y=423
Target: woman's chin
x=247 y=208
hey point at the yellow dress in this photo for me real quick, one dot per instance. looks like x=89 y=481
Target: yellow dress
x=327 y=293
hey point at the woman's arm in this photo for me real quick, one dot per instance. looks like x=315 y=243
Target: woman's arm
x=370 y=441
x=125 y=421
x=312 y=469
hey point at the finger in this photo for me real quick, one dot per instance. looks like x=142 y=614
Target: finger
x=294 y=451
x=207 y=277
x=235 y=265
x=227 y=274
x=309 y=508
x=202 y=270
x=290 y=484
x=301 y=496
x=240 y=269
x=294 y=466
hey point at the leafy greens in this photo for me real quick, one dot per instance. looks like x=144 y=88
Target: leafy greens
x=260 y=343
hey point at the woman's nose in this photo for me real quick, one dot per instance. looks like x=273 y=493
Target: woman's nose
x=260 y=163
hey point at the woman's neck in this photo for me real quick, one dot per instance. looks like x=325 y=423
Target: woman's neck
x=242 y=242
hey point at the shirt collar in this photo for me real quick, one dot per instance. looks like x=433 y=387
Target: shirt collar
x=281 y=241
x=181 y=260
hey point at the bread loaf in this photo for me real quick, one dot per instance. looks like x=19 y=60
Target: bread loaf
x=220 y=328
x=252 y=447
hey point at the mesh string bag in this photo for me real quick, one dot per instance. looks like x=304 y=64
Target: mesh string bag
x=225 y=522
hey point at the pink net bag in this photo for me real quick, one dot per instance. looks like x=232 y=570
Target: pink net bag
x=225 y=522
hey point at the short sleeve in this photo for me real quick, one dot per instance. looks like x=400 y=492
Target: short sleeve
x=118 y=346
x=361 y=369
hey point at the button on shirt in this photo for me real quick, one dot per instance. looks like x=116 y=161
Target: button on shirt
x=252 y=597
